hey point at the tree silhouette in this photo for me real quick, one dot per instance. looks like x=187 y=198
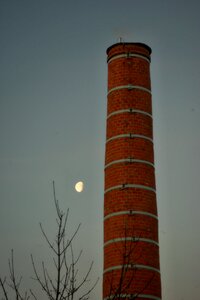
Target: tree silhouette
x=65 y=284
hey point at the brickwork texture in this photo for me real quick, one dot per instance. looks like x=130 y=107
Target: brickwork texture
x=131 y=249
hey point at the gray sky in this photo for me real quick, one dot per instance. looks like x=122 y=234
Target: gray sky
x=53 y=78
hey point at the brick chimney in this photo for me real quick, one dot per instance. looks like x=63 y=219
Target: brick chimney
x=131 y=249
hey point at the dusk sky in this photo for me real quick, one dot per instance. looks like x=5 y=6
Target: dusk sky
x=53 y=89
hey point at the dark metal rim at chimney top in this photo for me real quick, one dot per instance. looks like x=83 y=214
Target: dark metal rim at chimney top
x=129 y=44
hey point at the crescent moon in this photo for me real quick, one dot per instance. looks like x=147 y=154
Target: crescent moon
x=79 y=186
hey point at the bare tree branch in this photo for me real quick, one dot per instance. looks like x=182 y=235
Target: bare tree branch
x=47 y=240
x=2 y=282
x=13 y=283
x=65 y=283
x=130 y=256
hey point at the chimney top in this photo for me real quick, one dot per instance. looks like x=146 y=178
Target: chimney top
x=125 y=45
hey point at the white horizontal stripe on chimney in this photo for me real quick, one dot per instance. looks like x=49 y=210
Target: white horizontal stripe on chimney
x=129 y=110
x=129 y=87
x=131 y=266
x=127 y=55
x=130 y=185
x=131 y=239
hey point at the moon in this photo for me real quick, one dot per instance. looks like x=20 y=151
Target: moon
x=79 y=186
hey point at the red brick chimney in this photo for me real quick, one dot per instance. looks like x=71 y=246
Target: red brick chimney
x=131 y=250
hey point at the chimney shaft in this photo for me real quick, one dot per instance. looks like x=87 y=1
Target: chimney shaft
x=131 y=250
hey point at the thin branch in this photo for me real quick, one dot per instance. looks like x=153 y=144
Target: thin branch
x=73 y=236
x=2 y=282
x=89 y=291
x=33 y=294
x=14 y=284
x=47 y=240
x=85 y=277
x=40 y=281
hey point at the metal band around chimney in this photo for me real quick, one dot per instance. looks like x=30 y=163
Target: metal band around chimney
x=129 y=87
x=131 y=239
x=134 y=266
x=129 y=160
x=133 y=296
x=129 y=110
x=130 y=185
x=130 y=213
x=129 y=135
x=128 y=55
